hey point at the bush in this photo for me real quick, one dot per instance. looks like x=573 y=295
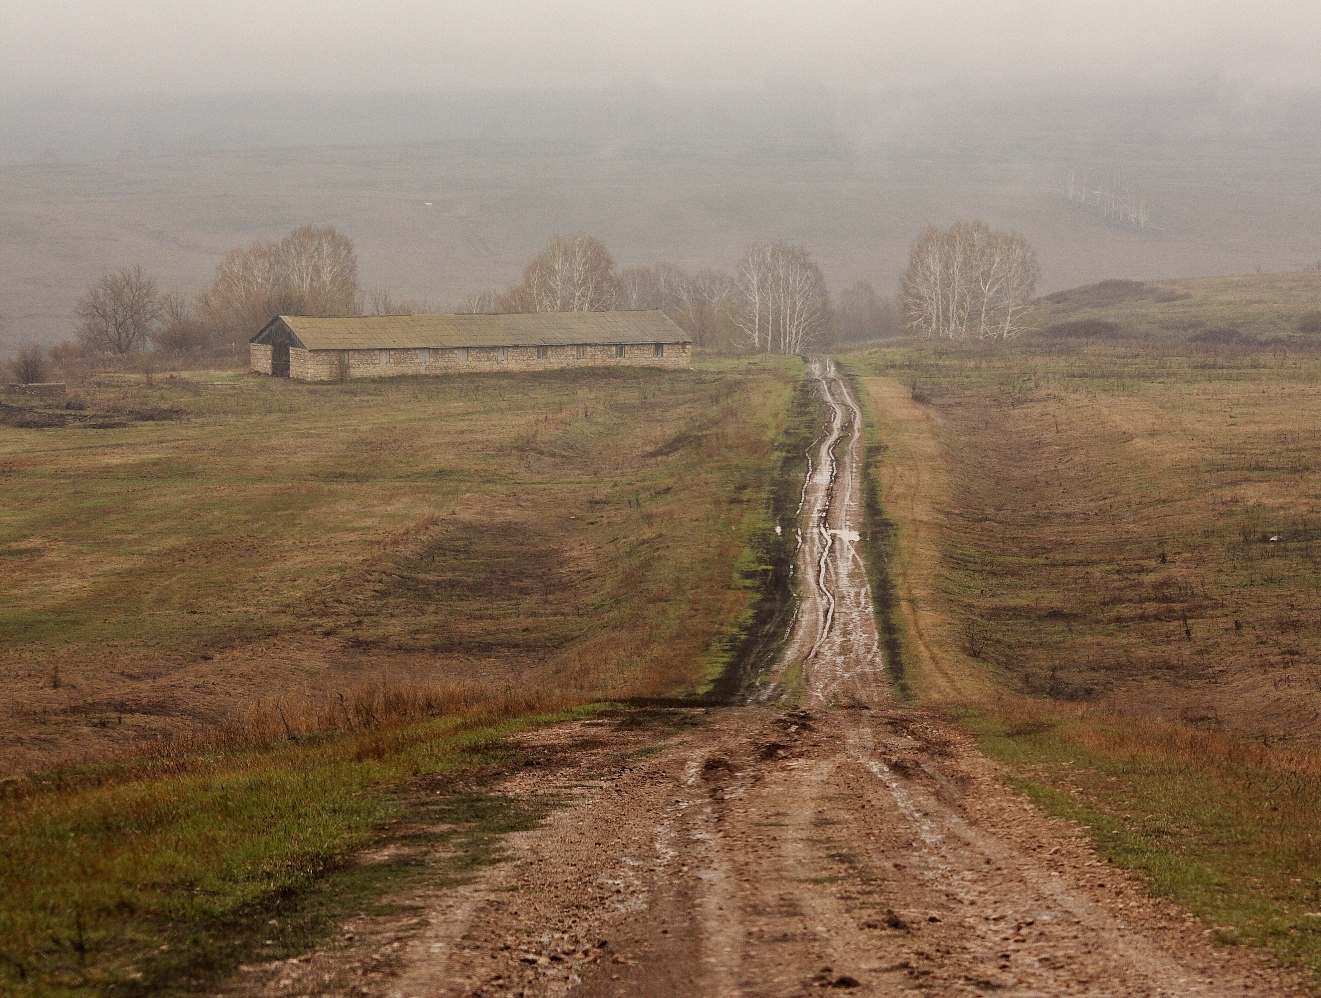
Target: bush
x=1222 y=336
x=1310 y=324
x=29 y=367
x=181 y=337
x=1086 y=329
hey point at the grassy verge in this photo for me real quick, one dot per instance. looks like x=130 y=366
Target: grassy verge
x=132 y=881
x=880 y=544
x=1228 y=832
x=1084 y=577
x=766 y=568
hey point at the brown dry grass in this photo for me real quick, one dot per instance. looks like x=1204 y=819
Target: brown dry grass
x=377 y=709
x=1079 y=527
x=1262 y=306
x=575 y=535
x=1110 y=510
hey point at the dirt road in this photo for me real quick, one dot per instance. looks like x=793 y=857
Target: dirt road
x=817 y=837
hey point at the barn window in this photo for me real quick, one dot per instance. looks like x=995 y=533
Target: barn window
x=658 y=350
x=424 y=355
x=385 y=356
x=582 y=351
x=543 y=353
x=463 y=355
x=619 y=349
x=504 y=353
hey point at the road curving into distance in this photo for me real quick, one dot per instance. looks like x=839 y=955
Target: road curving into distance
x=818 y=836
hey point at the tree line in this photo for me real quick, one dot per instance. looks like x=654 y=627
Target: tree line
x=311 y=271
x=965 y=282
x=1114 y=193
x=774 y=301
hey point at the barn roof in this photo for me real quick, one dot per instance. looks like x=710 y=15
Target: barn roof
x=536 y=329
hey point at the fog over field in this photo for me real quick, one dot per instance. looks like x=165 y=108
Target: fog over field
x=949 y=499
x=449 y=140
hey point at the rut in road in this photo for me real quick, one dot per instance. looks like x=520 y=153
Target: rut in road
x=780 y=848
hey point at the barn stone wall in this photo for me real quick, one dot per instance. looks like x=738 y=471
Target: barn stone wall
x=301 y=366
x=330 y=365
x=261 y=357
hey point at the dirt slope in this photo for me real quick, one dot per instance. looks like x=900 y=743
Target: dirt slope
x=817 y=837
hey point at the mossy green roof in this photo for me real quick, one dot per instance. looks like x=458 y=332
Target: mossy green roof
x=415 y=331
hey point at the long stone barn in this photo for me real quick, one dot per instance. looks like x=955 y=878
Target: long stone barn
x=376 y=346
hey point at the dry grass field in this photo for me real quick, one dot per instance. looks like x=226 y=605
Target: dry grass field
x=1207 y=309
x=1084 y=571
x=1114 y=508
x=262 y=623
x=271 y=542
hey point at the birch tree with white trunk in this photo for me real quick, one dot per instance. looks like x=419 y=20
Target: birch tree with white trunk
x=784 y=306
x=969 y=282
x=573 y=274
x=312 y=271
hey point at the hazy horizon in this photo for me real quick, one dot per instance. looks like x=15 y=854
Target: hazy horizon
x=450 y=140
x=144 y=45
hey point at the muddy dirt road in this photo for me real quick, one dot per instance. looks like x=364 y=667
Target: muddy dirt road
x=817 y=838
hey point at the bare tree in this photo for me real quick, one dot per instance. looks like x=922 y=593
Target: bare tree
x=1116 y=194
x=574 y=274
x=578 y=273
x=312 y=271
x=179 y=330
x=707 y=303
x=784 y=306
x=639 y=287
x=969 y=282
x=248 y=290
x=378 y=302
x=702 y=304
x=118 y=313
x=754 y=285
x=486 y=302
x=321 y=269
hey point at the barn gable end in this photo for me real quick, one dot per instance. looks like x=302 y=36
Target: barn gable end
x=270 y=350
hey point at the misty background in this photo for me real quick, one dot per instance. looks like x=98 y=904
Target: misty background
x=449 y=140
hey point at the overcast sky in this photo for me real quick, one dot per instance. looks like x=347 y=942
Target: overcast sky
x=211 y=45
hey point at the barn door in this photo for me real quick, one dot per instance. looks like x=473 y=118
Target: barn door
x=280 y=360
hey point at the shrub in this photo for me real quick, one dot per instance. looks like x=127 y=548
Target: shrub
x=1086 y=329
x=1220 y=336
x=1310 y=324
x=29 y=367
x=181 y=337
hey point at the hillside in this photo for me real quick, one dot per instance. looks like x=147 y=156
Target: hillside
x=438 y=222
x=1208 y=309
x=183 y=552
